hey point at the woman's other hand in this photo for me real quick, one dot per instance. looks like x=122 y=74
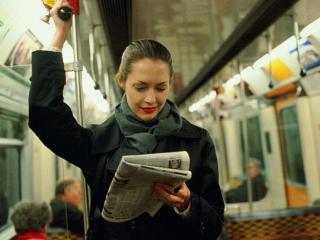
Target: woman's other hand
x=173 y=197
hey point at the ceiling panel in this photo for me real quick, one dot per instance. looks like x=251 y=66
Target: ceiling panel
x=192 y=30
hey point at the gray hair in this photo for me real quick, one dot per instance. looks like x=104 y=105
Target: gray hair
x=31 y=216
x=256 y=162
x=144 y=48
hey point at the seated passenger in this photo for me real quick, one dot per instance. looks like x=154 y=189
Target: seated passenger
x=31 y=220
x=316 y=203
x=259 y=189
x=65 y=206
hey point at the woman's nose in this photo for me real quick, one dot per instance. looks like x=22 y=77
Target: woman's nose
x=150 y=97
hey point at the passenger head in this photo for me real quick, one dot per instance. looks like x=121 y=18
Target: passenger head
x=254 y=167
x=31 y=217
x=69 y=190
x=144 y=74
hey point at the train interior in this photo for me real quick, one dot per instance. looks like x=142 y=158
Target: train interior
x=245 y=70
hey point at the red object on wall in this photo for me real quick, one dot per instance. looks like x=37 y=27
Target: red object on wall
x=75 y=6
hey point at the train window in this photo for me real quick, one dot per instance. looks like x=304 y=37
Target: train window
x=256 y=165
x=254 y=139
x=10 y=127
x=10 y=192
x=292 y=145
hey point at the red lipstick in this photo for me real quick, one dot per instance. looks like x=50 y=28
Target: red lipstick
x=149 y=109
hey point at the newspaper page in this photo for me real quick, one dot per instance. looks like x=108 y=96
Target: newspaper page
x=131 y=190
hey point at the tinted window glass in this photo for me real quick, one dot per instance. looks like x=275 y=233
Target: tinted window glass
x=292 y=145
x=10 y=127
x=9 y=180
x=240 y=193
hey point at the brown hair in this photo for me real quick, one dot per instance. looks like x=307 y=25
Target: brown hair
x=63 y=184
x=144 y=48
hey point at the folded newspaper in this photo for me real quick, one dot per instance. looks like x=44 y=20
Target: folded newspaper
x=131 y=190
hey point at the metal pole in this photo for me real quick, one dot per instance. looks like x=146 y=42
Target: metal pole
x=80 y=107
x=296 y=35
x=244 y=127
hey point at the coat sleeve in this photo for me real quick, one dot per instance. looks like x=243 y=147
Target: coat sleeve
x=207 y=205
x=49 y=117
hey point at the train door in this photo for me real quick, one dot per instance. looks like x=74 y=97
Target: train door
x=244 y=151
x=309 y=122
x=292 y=156
x=219 y=143
x=272 y=157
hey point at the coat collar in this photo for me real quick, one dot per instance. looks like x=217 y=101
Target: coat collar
x=107 y=136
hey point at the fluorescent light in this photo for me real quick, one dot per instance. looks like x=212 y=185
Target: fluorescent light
x=284 y=46
x=246 y=72
x=232 y=81
x=262 y=61
x=277 y=51
x=206 y=99
x=309 y=29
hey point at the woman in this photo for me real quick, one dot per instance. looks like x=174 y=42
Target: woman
x=31 y=220
x=144 y=122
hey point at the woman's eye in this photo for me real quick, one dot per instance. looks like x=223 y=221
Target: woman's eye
x=140 y=88
x=161 y=89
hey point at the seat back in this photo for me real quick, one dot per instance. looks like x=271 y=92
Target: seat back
x=276 y=226
x=64 y=236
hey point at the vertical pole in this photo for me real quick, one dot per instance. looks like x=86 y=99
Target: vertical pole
x=244 y=127
x=303 y=72
x=80 y=107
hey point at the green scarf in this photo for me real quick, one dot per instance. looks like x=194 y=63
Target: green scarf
x=142 y=136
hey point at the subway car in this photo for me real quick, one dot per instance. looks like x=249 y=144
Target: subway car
x=247 y=71
x=266 y=112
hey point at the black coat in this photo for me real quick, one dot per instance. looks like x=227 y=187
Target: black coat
x=52 y=121
x=60 y=217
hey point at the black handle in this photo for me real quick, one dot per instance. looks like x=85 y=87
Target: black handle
x=65 y=13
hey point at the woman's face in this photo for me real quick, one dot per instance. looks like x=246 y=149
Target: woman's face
x=147 y=87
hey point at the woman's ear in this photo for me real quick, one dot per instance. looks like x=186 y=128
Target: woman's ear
x=120 y=81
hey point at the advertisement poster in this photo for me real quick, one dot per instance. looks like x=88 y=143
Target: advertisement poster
x=20 y=57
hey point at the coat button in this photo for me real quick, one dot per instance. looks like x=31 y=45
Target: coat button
x=203 y=228
x=132 y=224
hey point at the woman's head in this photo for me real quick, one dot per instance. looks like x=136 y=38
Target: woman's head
x=69 y=190
x=140 y=49
x=144 y=74
x=31 y=217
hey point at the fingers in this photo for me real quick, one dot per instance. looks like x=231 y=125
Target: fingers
x=167 y=194
x=59 y=4
x=62 y=27
x=185 y=194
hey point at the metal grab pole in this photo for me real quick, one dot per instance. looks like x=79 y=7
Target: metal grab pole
x=80 y=107
x=244 y=127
